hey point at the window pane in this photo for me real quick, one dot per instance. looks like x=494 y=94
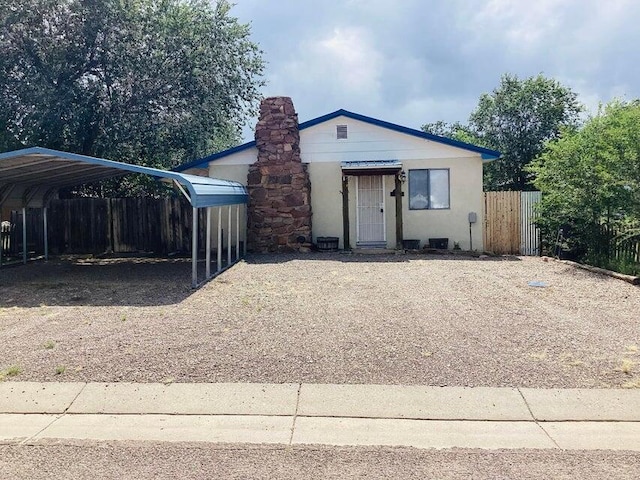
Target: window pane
x=439 y=191
x=418 y=189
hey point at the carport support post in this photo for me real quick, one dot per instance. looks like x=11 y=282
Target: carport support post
x=46 y=234
x=229 y=236
x=244 y=246
x=24 y=235
x=238 y=232
x=219 y=250
x=208 y=241
x=194 y=249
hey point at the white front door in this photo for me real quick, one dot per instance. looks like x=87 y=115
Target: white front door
x=370 y=211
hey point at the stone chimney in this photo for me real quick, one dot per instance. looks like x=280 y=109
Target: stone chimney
x=279 y=211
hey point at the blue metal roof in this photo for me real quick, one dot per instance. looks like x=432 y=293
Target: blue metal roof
x=486 y=153
x=36 y=171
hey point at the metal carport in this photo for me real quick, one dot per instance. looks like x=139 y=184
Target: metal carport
x=32 y=176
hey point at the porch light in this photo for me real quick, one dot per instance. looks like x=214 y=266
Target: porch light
x=402 y=176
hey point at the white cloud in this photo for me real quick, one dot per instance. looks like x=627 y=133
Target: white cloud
x=340 y=68
x=349 y=54
x=343 y=63
x=417 y=61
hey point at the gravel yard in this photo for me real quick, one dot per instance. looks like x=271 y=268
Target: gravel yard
x=322 y=318
x=148 y=460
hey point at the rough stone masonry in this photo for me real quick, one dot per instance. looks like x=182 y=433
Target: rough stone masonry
x=279 y=211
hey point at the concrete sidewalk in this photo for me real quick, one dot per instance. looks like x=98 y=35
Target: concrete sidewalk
x=418 y=416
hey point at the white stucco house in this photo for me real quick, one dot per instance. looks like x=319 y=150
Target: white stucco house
x=355 y=166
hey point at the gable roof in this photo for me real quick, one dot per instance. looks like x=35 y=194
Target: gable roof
x=486 y=153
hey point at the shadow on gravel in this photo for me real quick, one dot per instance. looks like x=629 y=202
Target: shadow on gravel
x=149 y=281
x=82 y=281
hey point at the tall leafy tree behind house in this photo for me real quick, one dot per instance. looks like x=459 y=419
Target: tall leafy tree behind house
x=455 y=131
x=517 y=119
x=153 y=82
x=590 y=180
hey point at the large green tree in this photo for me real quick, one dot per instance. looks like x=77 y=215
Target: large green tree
x=455 y=131
x=590 y=180
x=517 y=119
x=153 y=82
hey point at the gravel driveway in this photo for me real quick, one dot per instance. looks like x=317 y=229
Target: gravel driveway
x=147 y=460
x=322 y=318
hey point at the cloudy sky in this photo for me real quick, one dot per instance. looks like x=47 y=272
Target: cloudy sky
x=417 y=61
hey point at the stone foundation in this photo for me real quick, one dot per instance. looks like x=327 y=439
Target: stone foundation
x=279 y=211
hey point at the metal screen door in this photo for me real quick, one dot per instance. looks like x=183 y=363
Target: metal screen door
x=371 y=226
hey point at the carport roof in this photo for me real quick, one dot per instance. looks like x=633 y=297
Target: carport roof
x=32 y=174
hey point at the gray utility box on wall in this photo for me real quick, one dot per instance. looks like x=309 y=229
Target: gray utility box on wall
x=439 y=243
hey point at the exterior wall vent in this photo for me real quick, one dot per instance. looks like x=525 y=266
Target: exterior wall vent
x=341 y=132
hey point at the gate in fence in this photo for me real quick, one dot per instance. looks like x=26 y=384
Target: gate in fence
x=509 y=226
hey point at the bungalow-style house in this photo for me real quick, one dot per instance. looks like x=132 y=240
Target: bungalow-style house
x=367 y=182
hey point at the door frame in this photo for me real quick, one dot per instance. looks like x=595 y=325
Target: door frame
x=384 y=209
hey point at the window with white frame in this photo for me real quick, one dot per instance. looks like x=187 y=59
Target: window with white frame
x=429 y=189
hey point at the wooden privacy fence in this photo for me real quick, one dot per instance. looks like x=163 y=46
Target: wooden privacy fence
x=97 y=225
x=122 y=225
x=620 y=244
x=509 y=223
